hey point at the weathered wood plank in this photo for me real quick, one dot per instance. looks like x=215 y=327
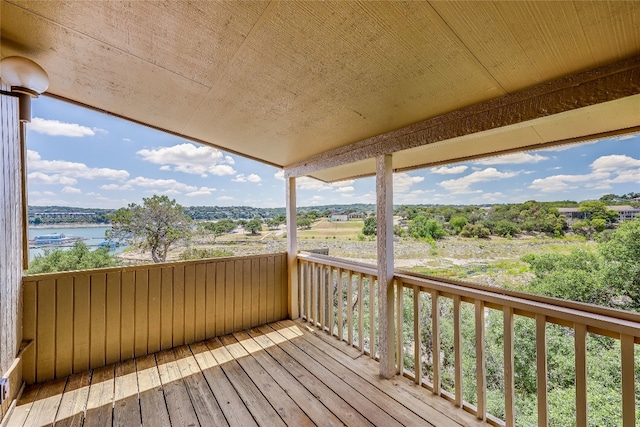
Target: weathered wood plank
x=141 y=314
x=46 y=333
x=98 y=332
x=189 y=303
x=113 y=317
x=210 y=298
x=166 y=309
x=74 y=400
x=229 y=295
x=64 y=326
x=393 y=412
x=202 y=399
x=304 y=399
x=23 y=406
x=154 y=310
x=200 y=310
x=127 y=310
x=342 y=387
x=81 y=322
x=126 y=409
x=255 y=401
x=153 y=408
x=234 y=409
x=238 y=289
x=220 y=297
x=181 y=411
x=288 y=410
x=269 y=341
x=178 y=305
x=100 y=402
x=45 y=406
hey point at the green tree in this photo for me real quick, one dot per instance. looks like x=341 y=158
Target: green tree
x=595 y=209
x=457 y=223
x=506 y=228
x=155 y=225
x=223 y=226
x=79 y=257
x=254 y=226
x=423 y=228
x=621 y=255
x=370 y=227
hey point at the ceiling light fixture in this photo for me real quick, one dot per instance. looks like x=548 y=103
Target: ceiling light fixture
x=27 y=80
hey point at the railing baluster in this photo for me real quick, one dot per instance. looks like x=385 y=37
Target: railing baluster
x=323 y=298
x=581 y=373
x=457 y=351
x=309 y=277
x=628 y=381
x=360 y=315
x=509 y=378
x=435 y=340
x=372 y=318
x=314 y=292
x=481 y=369
x=399 y=328
x=541 y=365
x=350 y=307
x=417 y=341
x=340 y=301
x=331 y=313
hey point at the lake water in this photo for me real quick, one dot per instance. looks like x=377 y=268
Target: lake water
x=92 y=237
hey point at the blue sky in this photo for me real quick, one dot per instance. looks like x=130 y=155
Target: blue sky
x=78 y=157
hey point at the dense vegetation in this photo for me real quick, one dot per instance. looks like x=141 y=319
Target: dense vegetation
x=79 y=257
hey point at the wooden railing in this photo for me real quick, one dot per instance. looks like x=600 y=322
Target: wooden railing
x=340 y=298
x=86 y=319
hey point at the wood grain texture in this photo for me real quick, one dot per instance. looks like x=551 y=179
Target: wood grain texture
x=11 y=232
x=87 y=319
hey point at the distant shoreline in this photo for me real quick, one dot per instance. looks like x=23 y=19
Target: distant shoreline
x=70 y=225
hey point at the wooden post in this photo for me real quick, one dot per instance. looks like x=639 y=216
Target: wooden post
x=384 y=190
x=292 y=248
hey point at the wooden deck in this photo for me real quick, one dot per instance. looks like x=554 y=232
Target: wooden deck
x=279 y=374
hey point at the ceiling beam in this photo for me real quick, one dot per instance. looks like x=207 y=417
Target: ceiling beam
x=607 y=83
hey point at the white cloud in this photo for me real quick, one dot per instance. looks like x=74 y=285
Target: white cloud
x=279 y=175
x=251 y=178
x=72 y=169
x=402 y=182
x=512 y=159
x=71 y=190
x=444 y=170
x=202 y=191
x=225 y=198
x=191 y=159
x=126 y=139
x=605 y=170
x=463 y=185
x=58 y=128
x=614 y=162
x=166 y=185
x=347 y=189
x=43 y=178
x=229 y=160
x=625 y=137
x=116 y=187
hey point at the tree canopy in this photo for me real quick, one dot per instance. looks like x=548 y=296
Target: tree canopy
x=155 y=225
x=79 y=257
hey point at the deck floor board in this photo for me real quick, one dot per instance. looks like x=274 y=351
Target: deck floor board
x=285 y=373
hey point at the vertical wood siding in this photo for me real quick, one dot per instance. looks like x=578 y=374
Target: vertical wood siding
x=10 y=235
x=88 y=319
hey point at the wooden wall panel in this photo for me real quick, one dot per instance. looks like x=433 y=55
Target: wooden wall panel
x=11 y=248
x=98 y=317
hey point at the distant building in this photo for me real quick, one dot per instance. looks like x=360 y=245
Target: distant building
x=339 y=217
x=71 y=215
x=357 y=215
x=625 y=213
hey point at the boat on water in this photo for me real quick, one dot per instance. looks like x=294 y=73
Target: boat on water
x=53 y=239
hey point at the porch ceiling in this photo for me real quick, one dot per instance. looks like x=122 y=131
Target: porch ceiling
x=283 y=82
